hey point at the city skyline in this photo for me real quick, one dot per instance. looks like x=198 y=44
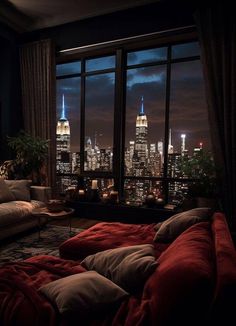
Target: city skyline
x=182 y=120
x=98 y=136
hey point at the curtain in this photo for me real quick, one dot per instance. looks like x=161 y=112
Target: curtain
x=37 y=63
x=216 y=27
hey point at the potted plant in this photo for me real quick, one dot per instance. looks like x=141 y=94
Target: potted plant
x=31 y=153
x=201 y=169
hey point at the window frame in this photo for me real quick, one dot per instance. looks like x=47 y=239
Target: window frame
x=120 y=49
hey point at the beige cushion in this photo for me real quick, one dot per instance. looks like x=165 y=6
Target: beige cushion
x=128 y=267
x=5 y=193
x=20 y=189
x=170 y=229
x=83 y=293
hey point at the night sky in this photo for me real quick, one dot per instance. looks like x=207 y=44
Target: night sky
x=188 y=112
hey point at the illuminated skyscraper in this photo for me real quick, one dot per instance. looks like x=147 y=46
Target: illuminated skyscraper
x=63 y=130
x=141 y=141
x=170 y=146
x=63 y=142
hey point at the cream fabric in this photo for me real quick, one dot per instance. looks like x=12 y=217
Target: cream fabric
x=20 y=189
x=5 y=193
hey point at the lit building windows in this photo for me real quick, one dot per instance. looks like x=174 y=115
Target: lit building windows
x=129 y=117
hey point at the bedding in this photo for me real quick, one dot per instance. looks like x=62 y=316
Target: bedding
x=103 y=236
x=194 y=284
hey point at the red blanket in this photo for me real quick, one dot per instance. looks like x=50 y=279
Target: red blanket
x=20 y=302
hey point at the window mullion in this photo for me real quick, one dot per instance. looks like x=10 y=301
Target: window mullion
x=167 y=114
x=82 y=117
x=118 y=150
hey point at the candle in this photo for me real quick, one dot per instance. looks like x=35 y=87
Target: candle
x=94 y=184
x=114 y=196
x=105 y=198
x=81 y=194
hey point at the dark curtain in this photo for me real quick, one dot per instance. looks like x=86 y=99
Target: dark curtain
x=37 y=61
x=216 y=26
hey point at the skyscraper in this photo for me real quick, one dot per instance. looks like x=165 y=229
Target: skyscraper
x=141 y=141
x=63 y=142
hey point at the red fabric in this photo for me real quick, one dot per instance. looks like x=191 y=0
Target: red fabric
x=196 y=268
x=225 y=293
x=180 y=291
x=103 y=236
x=20 y=302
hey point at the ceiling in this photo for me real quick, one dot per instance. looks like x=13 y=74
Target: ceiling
x=29 y=15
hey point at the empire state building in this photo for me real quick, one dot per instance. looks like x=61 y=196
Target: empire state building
x=141 y=142
x=63 y=142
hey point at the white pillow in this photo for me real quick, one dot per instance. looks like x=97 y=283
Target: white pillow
x=5 y=193
x=20 y=189
x=83 y=294
x=170 y=229
x=128 y=267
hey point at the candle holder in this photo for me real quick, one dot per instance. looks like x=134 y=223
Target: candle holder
x=93 y=195
x=105 y=198
x=81 y=195
x=114 y=197
x=150 y=200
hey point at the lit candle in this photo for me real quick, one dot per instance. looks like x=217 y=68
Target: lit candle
x=114 y=196
x=94 y=184
x=105 y=196
x=81 y=192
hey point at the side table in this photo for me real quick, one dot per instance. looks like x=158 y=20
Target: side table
x=50 y=215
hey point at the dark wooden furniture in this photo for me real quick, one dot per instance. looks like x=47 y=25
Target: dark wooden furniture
x=120 y=212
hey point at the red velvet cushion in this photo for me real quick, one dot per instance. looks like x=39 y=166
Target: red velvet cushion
x=103 y=236
x=225 y=294
x=181 y=289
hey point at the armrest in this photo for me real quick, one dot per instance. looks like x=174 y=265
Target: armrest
x=41 y=193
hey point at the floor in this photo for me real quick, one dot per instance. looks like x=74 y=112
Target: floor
x=76 y=222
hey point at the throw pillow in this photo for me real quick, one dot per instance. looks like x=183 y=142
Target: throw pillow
x=175 y=225
x=5 y=193
x=84 y=293
x=128 y=267
x=20 y=189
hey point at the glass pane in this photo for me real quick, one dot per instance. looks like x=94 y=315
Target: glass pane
x=185 y=50
x=136 y=191
x=104 y=187
x=189 y=128
x=68 y=125
x=100 y=63
x=68 y=68
x=145 y=121
x=144 y=56
x=65 y=182
x=99 y=121
x=178 y=191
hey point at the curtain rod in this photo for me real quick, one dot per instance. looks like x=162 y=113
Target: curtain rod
x=131 y=38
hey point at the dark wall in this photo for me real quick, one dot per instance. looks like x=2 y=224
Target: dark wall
x=10 y=106
x=132 y=22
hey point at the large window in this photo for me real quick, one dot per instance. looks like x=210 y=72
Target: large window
x=128 y=117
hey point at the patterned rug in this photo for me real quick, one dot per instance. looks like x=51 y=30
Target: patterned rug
x=51 y=236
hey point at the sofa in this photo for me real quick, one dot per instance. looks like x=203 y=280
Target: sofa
x=192 y=282
x=17 y=200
